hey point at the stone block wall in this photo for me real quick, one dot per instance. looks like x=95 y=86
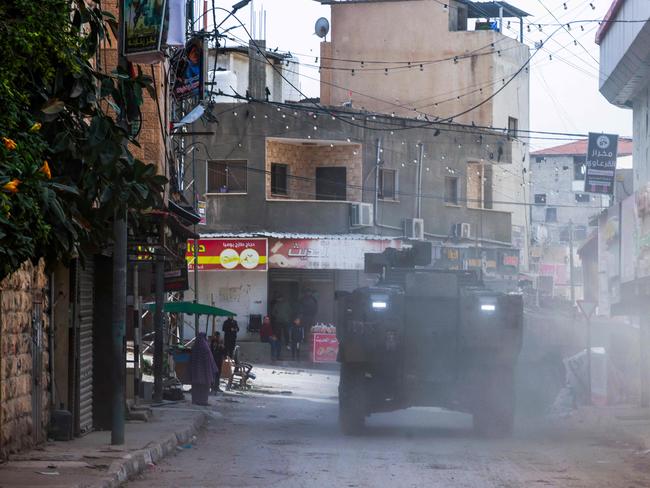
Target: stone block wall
x=19 y=293
x=302 y=161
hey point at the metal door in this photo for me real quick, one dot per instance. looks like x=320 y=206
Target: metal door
x=84 y=294
x=37 y=369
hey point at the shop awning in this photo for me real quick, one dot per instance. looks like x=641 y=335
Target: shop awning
x=192 y=308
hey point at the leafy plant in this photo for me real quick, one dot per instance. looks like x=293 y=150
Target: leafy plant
x=65 y=167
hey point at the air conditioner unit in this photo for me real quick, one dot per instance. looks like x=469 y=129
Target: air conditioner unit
x=414 y=229
x=361 y=215
x=463 y=230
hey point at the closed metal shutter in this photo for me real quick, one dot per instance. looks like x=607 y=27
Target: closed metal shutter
x=346 y=280
x=301 y=275
x=85 y=303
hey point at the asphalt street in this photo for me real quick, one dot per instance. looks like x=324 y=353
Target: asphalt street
x=285 y=433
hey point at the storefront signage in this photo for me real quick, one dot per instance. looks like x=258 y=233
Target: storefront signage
x=176 y=280
x=229 y=254
x=326 y=348
x=201 y=207
x=324 y=253
x=143 y=27
x=601 y=163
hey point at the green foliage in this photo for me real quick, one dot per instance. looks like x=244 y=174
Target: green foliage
x=49 y=76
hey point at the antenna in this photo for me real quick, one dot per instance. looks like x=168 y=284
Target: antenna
x=322 y=27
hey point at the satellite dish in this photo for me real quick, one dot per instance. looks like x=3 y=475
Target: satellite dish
x=322 y=27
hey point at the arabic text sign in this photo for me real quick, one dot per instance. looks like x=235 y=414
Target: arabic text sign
x=229 y=254
x=601 y=163
x=143 y=25
x=326 y=348
x=324 y=253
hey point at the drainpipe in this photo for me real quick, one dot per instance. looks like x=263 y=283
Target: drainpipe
x=418 y=184
x=377 y=164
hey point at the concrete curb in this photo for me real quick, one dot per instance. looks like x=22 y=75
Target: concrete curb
x=134 y=463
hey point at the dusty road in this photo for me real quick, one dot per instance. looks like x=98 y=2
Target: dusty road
x=292 y=440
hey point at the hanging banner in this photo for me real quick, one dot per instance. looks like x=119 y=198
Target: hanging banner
x=602 y=151
x=144 y=23
x=189 y=70
x=201 y=208
x=324 y=253
x=229 y=254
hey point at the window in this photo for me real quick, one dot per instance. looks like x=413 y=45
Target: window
x=579 y=167
x=279 y=173
x=540 y=159
x=513 y=127
x=540 y=198
x=479 y=185
x=579 y=233
x=451 y=190
x=551 y=214
x=331 y=183
x=227 y=177
x=388 y=184
x=583 y=197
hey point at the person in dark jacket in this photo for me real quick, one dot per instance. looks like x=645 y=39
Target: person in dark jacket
x=230 y=329
x=203 y=369
x=297 y=335
x=308 y=309
x=281 y=313
x=218 y=353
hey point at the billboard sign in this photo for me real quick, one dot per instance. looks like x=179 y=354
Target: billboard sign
x=189 y=70
x=229 y=254
x=602 y=151
x=144 y=22
x=324 y=253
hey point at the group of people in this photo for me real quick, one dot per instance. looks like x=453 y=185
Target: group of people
x=283 y=325
x=207 y=360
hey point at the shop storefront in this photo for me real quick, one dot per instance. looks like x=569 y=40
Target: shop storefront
x=232 y=275
x=320 y=265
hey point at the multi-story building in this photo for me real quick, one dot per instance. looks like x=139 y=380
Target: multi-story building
x=310 y=190
x=624 y=74
x=437 y=60
x=562 y=213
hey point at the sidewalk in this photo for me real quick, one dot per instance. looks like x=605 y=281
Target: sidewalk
x=622 y=424
x=91 y=461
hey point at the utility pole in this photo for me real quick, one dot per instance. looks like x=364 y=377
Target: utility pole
x=572 y=283
x=377 y=167
x=158 y=330
x=418 y=200
x=118 y=323
x=136 y=334
x=196 y=241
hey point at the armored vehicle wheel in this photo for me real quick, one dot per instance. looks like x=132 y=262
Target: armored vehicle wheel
x=494 y=412
x=352 y=400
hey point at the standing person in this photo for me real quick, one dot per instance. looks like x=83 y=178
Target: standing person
x=230 y=329
x=297 y=335
x=203 y=369
x=218 y=353
x=266 y=331
x=276 y=341
x=281 y=312
x=308 y=308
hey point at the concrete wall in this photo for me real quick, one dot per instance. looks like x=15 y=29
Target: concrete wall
x=243 y=292
x=415 y=30
x=641 y=137
x=18 y=294
x=242 y=134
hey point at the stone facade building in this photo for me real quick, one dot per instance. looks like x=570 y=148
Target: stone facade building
x=24 y=359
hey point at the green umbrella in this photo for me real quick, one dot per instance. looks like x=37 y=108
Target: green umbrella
x=192 y=308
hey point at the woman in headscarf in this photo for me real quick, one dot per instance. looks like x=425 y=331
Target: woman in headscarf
x=203 y=369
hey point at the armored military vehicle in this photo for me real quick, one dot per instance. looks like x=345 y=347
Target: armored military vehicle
x=424 y=337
